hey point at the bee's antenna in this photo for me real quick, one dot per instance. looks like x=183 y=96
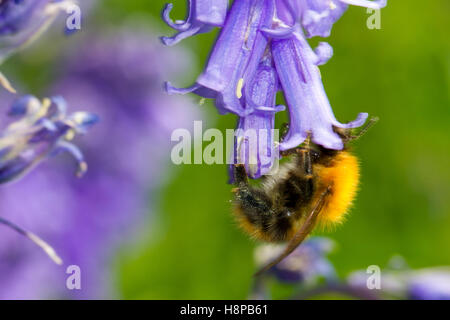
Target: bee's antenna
x=363 y=131
x=38 y=241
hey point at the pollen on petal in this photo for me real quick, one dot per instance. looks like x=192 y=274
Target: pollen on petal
x=239 y=87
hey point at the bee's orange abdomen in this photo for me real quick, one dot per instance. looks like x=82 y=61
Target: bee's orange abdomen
x=343 y=177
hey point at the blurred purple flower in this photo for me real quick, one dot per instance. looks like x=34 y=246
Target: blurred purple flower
x=27 y=17
x=430 y=284
x=16 y=14
x=404 y=283
x=306 y=265
x=250 y=30
x=21 y=22
x=43 y=130
x=117 y=77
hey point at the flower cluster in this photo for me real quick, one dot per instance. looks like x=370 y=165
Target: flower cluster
x=42 y=130
x=87 y=220
x=21 y=22
x=262 y=48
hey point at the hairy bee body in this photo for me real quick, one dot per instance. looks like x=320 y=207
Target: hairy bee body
x=276 y=210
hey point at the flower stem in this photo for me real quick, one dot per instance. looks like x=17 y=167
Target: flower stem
x=38 y=241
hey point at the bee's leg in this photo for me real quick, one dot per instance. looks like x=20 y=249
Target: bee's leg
x=304 y=162
x=305 y=146
x=252 y=204
x=303 y=156
x=240 y=175
x=248 y=196
x=299 y=187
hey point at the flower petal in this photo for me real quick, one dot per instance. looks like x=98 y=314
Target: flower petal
x=203 y=16
x=237 y=52
x=319 y=16
x=255 y=146
x=309 y=109
x=235 y=57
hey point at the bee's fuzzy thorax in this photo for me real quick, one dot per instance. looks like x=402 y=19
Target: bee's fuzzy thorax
x=278 y=208
x=343 y=177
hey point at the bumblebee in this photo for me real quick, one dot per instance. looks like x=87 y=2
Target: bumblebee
x=315 y=187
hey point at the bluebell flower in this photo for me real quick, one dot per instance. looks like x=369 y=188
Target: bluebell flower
x=203 y=16
x=42 y=130
x=254 y=30
x=306 y=265
x=255 y=132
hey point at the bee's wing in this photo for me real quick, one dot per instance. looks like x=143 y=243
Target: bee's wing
x=301 y=235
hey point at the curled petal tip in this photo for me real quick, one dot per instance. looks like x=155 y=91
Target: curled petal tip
x=270 y=109
x=278 y=33
x=358 y=122
x=179 y=26
x=167 y=41
x=165 y=14
x=280 y=107
x=171 y=41
x=166 y=10
x=170 y=89
x=167 y=86
x=324 y=52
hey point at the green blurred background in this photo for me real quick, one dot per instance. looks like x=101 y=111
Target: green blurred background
x=192 y=248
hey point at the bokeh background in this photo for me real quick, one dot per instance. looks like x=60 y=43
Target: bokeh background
x=185 y=244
